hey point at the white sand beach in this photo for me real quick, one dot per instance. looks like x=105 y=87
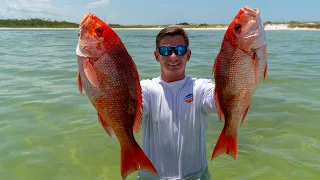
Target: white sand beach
x=285 y=27
x=267 y=28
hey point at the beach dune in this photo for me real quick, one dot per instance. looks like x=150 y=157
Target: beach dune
x=267 y=27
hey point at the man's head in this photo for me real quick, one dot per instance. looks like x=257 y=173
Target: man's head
x=172 y=52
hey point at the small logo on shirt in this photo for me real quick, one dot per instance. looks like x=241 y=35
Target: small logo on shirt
x=188 y=98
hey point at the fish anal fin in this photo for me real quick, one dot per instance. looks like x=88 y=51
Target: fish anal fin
x=138 y=116
x=255 y=62
x=265 y=71
x=105 y=125
x=79 y=83
x=218 y=106
x=245 y=113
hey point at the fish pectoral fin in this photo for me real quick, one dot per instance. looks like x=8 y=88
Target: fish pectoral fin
x=218 y=106
x=79 y=83
x=105 y=125
x=90 y=73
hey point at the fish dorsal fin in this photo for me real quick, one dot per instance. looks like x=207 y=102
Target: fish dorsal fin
x=139 y=109
x=215 y=62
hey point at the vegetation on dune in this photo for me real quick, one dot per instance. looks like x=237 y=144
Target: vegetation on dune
x=182 y=24
x=36 y=23
x=296 y=24
x=42 y=23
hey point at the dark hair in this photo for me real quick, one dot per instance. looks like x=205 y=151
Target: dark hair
x=172 y=31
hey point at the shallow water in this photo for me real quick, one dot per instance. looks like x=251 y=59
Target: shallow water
x=50 y=131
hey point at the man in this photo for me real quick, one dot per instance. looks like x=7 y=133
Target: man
x=175 y=112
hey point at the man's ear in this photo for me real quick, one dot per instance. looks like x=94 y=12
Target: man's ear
x=156 y=55
x=188 y=54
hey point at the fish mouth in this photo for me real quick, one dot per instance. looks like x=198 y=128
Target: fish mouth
x=251 y=12
x=80 y=51
x=255 y=29
x=254 y=14
x=85 y=18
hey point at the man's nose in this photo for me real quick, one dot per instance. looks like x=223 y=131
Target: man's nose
x=173 y=55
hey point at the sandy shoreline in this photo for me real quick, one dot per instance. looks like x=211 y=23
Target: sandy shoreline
x=267 y=27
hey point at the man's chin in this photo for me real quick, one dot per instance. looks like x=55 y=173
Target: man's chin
x=173 y=73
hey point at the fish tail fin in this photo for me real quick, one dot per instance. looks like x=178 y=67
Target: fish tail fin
x=226 y=145
x=134 y=159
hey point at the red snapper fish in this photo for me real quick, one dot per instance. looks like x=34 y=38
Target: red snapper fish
x=238 y=68
x=110 y=79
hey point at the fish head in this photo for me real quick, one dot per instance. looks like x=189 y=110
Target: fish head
x=93 y=36
x=246 y=31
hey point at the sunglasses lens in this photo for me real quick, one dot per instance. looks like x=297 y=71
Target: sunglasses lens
x=167 y=50
x=163 y=50
x=181 y=50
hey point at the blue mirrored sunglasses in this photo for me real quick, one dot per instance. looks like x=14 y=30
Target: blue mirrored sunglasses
x=178 y=50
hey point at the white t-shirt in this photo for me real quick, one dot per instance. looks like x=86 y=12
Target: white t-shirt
x=174 y=126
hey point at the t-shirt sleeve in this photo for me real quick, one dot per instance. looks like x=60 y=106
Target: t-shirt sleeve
x=145 y=98
x=207 y=103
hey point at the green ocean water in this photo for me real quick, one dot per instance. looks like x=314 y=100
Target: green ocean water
x=49 y=131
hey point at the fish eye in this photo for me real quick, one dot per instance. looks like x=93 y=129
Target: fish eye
x=99 y=30
x=237 y=27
